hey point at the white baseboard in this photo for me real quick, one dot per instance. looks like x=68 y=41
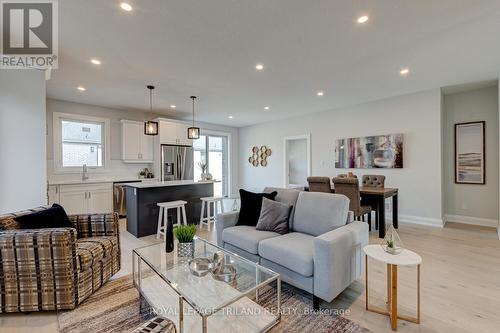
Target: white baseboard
x=471 y=220
x=411 y=219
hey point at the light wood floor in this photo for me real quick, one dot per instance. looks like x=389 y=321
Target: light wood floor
x=460 y=283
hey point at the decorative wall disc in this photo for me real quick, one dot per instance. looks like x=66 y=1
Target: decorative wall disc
x=259 y=156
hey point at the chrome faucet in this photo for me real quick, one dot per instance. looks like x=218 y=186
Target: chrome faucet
x=84 y=173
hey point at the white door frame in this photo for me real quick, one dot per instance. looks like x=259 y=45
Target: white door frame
x=285 y=155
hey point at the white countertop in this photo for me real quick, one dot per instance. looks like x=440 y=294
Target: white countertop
x=166 y=183
x=102 y=180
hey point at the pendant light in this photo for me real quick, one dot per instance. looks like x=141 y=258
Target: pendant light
x=151 y=127
x=193 y=132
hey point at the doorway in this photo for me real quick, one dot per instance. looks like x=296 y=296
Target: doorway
x=297 y=164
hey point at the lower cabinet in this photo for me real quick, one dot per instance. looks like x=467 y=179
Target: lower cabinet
x=86 y=198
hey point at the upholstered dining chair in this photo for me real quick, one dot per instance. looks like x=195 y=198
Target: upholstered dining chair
x=319 y=184
x=373 y=181
x=350 y=188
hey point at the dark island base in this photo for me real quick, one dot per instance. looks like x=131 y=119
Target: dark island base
x=142 y=209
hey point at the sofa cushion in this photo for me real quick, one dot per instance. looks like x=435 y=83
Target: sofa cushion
x=287 y=196
x=317 y=213
x=251 y=204
x=293 y=251
x=246 y=237
x=53 y=217
x=274 y=217
x=93 y=249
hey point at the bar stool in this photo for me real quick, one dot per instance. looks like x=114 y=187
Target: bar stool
x=210 y=218
x=163 y=215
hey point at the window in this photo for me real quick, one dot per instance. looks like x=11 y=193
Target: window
x=81 y=144
x=213 y=150
x=78 y=141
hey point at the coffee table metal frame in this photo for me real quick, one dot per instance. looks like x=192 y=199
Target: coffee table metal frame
x=136 y=256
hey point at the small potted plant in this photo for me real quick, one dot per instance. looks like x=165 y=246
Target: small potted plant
x=204 y=174
x=185 y=235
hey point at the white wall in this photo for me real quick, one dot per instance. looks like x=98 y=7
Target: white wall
x=474 y=204
x=23 y=173
x=118 y=168
x=417 y=115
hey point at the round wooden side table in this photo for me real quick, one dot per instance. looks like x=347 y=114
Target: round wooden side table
x=405 y=258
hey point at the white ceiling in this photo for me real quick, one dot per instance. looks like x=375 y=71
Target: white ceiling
x=209 y=49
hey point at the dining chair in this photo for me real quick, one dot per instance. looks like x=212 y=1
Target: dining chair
x=350 y=188
x=319 y=184
x=373 y=181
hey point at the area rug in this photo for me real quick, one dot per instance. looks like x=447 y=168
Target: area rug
x=115 y=308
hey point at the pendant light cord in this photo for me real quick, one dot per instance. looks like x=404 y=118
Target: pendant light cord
x=193 y=98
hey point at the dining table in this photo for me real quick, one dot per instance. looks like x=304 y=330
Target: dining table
x=378 y=195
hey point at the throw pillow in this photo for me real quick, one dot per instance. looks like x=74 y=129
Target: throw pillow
x=274 y=216
x=251 y=204
x=53 y=217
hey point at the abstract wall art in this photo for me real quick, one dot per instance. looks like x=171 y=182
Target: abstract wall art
x=380 y=151
x=470 y=153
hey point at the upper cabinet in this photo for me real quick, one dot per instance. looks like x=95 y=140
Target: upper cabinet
x=136 y=146
x=174 y=133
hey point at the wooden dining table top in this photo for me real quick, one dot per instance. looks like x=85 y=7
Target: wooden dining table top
x=385 y=191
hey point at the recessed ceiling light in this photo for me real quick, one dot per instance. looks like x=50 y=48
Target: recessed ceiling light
x=259 y=67
x=230 y=117
x=173 y=106
x=320 y=93
x=404 y=71
x=363 y=19
x=126 y=6
x=95 y=61
x=266 y=107
x=81 y=88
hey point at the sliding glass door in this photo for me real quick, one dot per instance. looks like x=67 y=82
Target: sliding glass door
x=212 y=150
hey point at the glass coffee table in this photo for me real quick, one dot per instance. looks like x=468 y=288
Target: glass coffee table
x=205 y=304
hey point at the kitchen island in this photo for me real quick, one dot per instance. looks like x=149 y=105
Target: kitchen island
x=142 y=199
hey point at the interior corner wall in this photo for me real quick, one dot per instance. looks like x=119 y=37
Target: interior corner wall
x=470 y=203
x=23 y=165
x=416 y=115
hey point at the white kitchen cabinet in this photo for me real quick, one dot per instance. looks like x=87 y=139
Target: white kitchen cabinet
x=137 y=147
x=74 y=202
x=52 y=194
x=100 y=201
x=174 y=133
x=86 y=198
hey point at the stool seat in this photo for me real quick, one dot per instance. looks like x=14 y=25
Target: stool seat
x=212 y=198
x=172 y=204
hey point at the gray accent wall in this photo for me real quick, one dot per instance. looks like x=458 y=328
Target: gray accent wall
x=466 y=203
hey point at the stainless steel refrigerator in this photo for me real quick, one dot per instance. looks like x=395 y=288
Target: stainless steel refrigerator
x=177 y=162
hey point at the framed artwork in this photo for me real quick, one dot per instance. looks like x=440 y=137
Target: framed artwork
x=470 y=153
x=380 y=151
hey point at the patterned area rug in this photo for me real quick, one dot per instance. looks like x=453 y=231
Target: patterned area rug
x=115 y=308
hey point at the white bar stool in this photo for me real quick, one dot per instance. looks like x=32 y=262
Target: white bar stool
x=163 y=215
x=210 y=218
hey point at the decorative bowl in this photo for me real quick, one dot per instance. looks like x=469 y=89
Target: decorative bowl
x=226 y=273
x=200 y=266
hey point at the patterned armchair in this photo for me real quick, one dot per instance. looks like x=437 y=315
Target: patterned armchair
x=56 y=269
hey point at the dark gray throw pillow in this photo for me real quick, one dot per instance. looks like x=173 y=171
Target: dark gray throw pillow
x=274 y=216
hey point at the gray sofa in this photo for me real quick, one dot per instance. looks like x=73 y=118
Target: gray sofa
x=322 y=253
